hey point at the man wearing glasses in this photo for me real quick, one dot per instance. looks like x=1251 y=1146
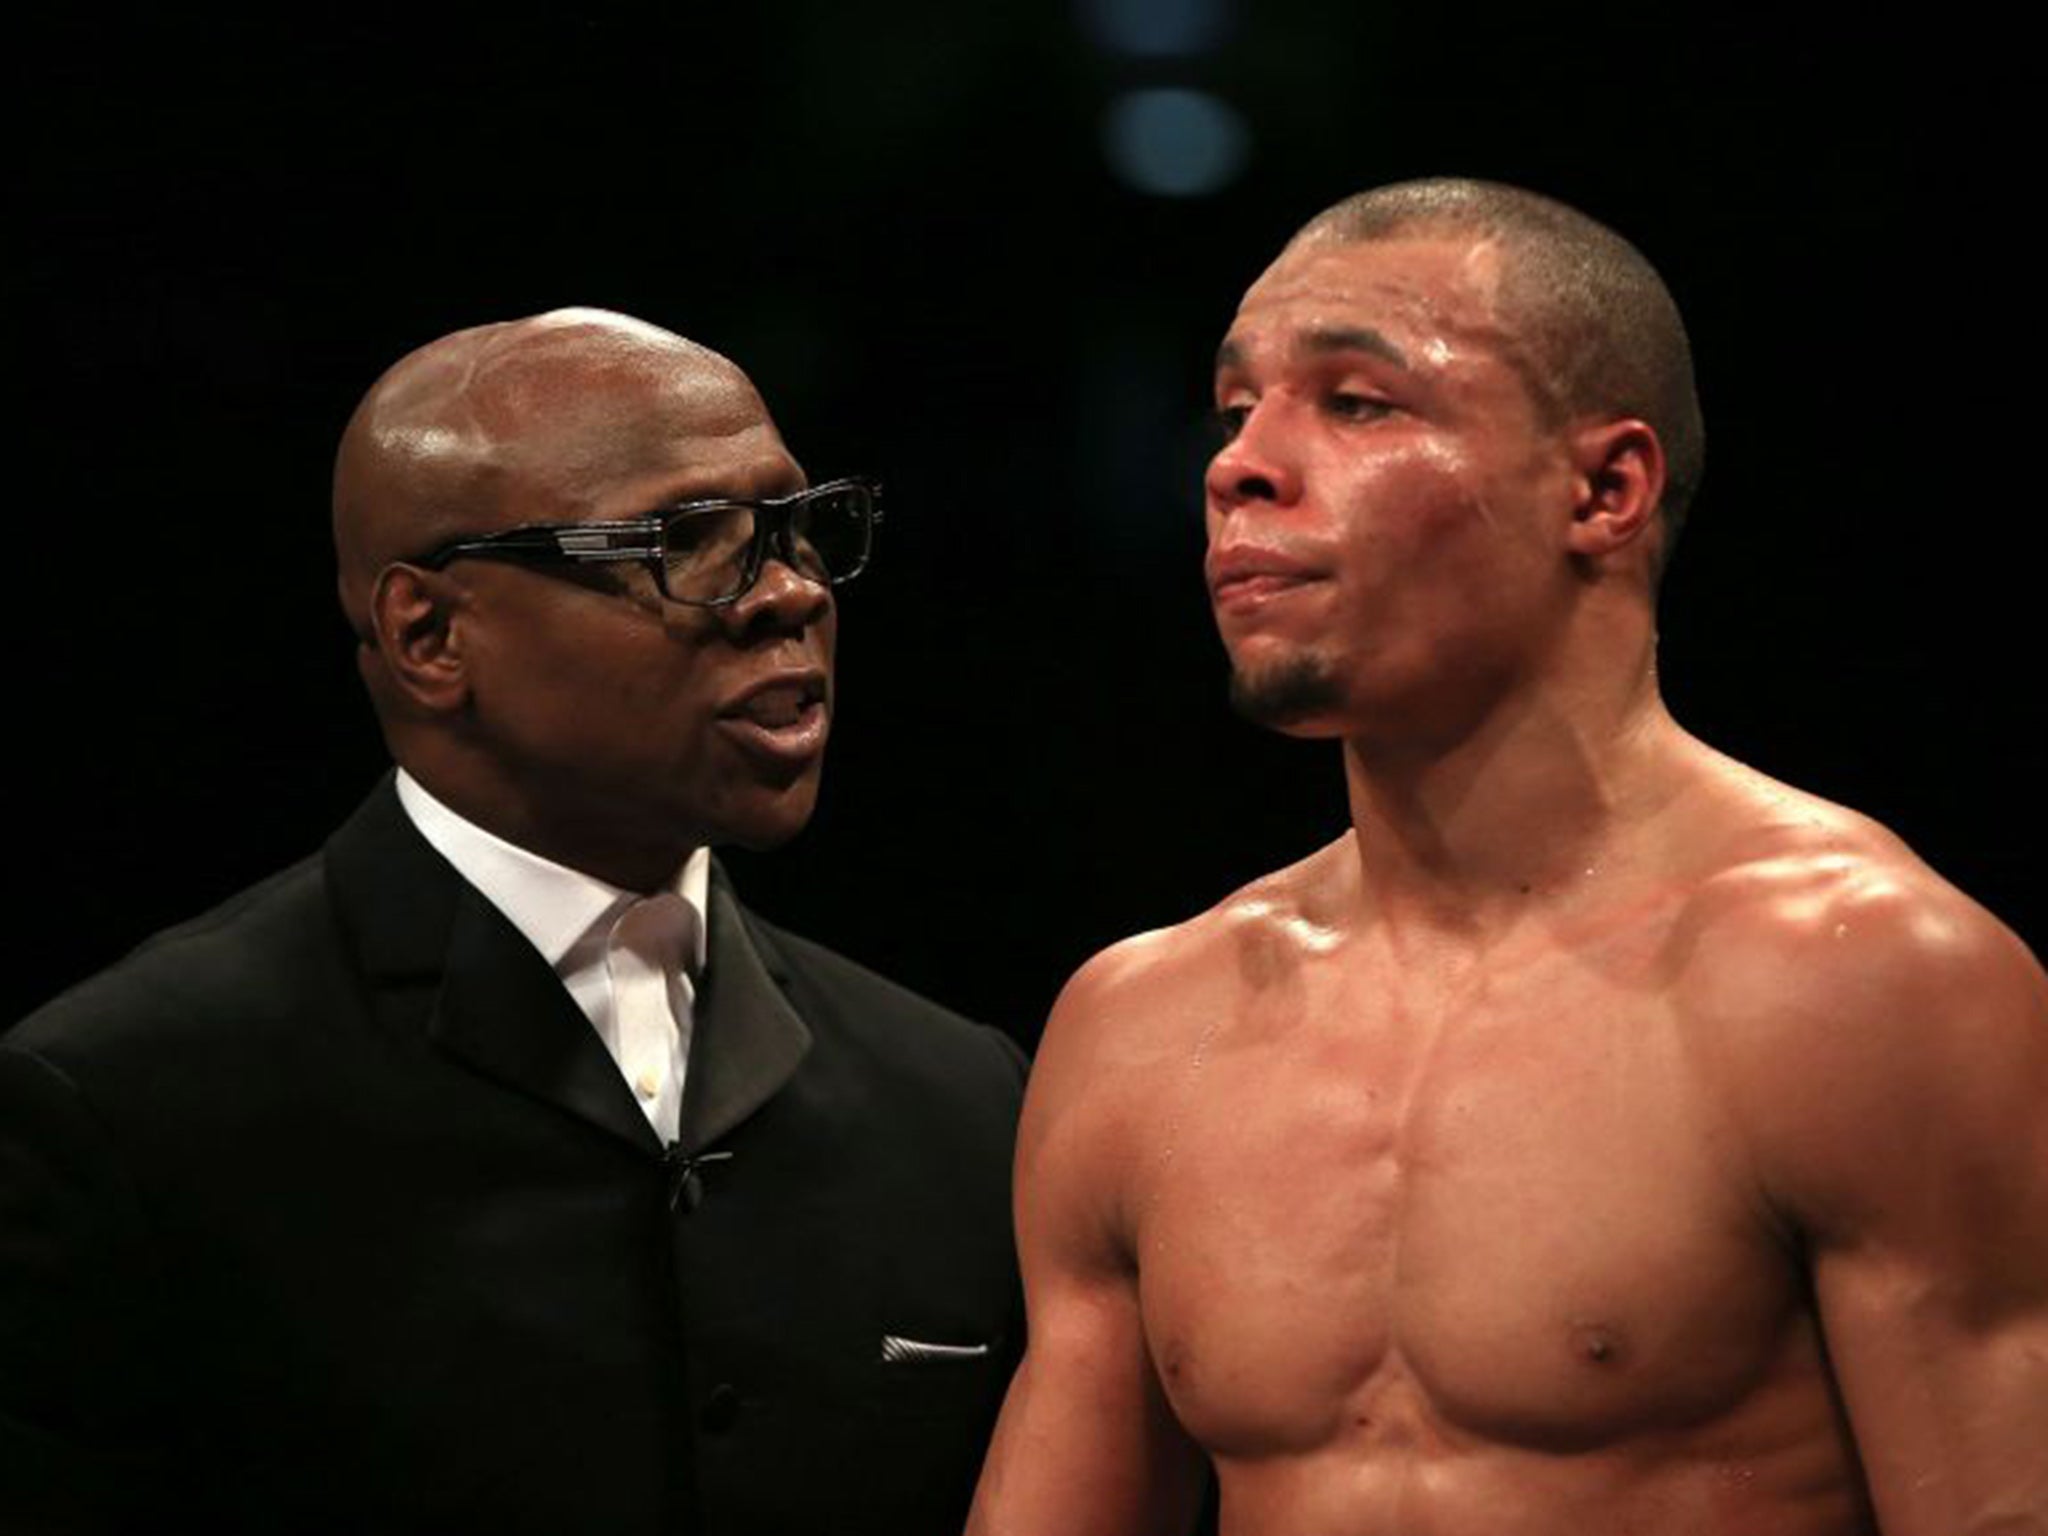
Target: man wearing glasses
x=495 y=1168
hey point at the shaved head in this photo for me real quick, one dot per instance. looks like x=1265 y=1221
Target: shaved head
x=573 y=710
x=501 y=424
x=1598 y=333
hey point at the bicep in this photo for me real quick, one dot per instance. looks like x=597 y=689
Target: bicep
x=1087 y=1442
x=1929 y=1241
x=1947 y=1399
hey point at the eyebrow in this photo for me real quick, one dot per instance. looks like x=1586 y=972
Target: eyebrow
x=1323 y=341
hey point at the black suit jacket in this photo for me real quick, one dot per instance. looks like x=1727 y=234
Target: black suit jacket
x=329 y=1211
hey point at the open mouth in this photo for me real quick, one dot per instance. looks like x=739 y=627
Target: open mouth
x=781 y=706
x=784 y=720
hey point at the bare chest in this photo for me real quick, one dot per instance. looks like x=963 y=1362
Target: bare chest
x=1510 y=1213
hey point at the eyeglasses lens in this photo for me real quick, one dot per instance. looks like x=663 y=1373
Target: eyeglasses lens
x=829 y=532
x=705 y=552
x=707 y=548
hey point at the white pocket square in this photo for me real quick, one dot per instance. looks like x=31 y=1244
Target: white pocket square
x=897 y=1350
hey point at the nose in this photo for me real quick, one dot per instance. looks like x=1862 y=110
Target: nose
x=782 y=599
x=1257 y=464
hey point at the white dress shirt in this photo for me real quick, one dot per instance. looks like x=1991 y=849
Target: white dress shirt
x=605 y=943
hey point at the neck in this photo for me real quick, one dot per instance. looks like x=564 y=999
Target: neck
x=622 y=856
x=1540 y=800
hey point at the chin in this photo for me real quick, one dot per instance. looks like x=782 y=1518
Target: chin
x=1298 y=695
x=770 y=821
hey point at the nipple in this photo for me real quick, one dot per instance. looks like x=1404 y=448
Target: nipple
x=1598 y=1345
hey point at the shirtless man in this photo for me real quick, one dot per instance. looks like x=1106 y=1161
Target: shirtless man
x=1598 y=1136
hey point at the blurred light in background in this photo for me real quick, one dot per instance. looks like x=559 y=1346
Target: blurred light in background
x=1175 y=143
x=1157 y=29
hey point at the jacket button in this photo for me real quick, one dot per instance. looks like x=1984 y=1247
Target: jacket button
x=721 y=1408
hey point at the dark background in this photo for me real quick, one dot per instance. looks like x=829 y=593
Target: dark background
x=901 y=219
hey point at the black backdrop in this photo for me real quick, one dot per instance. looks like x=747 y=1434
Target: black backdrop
x=900 y=219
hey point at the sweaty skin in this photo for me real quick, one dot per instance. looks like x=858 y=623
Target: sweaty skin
x=1599 y=1137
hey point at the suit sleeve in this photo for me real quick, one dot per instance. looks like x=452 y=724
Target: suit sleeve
x=75 y=1287
x=1013 y=1054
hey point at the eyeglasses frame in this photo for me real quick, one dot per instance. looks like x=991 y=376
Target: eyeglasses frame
x=643 y=539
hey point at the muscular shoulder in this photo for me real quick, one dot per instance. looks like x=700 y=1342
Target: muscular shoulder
x=1129 y=1021
x=1155 y=992
x=1870 y=1024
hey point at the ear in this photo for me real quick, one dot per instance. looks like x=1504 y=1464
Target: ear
x=1619 y=482
x=415 y=635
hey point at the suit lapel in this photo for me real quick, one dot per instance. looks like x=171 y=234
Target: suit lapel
x=440 y=958
x=503 y=1011
x=747 y=1040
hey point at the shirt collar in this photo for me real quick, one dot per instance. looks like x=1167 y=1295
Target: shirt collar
x=557 y=908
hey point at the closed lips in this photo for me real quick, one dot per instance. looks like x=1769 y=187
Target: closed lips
x=1255 y=571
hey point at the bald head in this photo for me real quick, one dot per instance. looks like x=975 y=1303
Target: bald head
x=1599 y=334
x=502 y=424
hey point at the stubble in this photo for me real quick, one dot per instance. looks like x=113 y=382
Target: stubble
x=1285 y=693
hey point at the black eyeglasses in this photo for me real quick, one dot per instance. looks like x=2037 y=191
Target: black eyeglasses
x=705 y=553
